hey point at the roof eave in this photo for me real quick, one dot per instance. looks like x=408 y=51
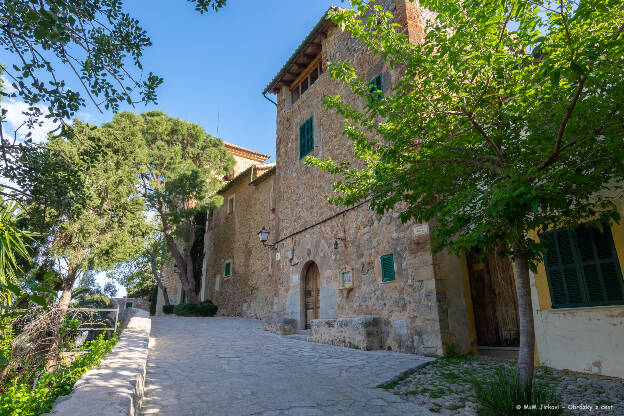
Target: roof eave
x=320 y=25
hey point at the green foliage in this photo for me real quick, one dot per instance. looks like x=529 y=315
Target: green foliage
x=19 y=398
x=501 y=396
x=168 y=309
x=12 y=247
x=140 y=274
x=66 y=53
x=206 y=308
x=180 y=168
x=153 y=300
x=107 y=225
x=507 y=119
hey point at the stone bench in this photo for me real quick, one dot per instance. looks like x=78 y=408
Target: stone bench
x=362 y=332
x=281 y=326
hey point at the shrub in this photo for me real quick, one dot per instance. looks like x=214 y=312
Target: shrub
x=153 y=299
x=19 y=398
x=501 y=395
x=186 y=309
x=168 y=309
x=208 y=308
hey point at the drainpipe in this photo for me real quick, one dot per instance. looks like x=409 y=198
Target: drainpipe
x=264 y=95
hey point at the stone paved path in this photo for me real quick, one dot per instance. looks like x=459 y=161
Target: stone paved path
x=230 y=366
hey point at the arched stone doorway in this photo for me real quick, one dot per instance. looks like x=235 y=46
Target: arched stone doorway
x=311 y=293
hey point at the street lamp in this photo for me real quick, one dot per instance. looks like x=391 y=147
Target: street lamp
x=263 y=236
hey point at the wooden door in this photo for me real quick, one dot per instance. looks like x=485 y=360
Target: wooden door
x=312 y=294
x=493 y=292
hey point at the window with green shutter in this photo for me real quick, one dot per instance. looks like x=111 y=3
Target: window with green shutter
x=228 y=269
x=387 y=268
x=583 y=268
x=306 y=138
x=376 y=88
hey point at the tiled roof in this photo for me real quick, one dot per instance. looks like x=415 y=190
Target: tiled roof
x=246 y=153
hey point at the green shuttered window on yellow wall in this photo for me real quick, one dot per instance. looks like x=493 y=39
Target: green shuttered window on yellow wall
x=306 y=138
x=387 y=268
x=583 y=268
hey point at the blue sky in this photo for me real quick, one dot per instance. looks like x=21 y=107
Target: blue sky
x=219 y=63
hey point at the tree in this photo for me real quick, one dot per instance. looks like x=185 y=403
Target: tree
x=110 y=289
x=140 y=274
x=95 y=40
x=106 y=227
x=506 y=123
x=180 y=167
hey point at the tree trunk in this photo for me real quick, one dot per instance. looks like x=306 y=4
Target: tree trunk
x=158 y=281
x=526 y=355
x=63 y=306
x=183 y=263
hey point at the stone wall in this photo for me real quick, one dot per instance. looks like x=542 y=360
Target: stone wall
x=414 y=308
x=250 y=290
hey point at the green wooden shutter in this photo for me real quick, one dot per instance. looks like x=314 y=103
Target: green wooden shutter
x=228 y=269
x=306 y=138
x=376 y=88
x=387 y=268
x=583 y=268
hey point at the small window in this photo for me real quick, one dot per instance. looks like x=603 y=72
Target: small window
x=314 y=75
x=582 y=268
x=228 y=269
x=387 y=268
x=217 y=283
x=306 y=138
x=376 y=88
x=304 y=86
x=230 y=207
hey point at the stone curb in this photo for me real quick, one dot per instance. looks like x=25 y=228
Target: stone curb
x=115 y=387
x=404 y=374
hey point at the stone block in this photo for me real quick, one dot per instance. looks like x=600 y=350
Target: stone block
x=362 y=332
x=281 y=326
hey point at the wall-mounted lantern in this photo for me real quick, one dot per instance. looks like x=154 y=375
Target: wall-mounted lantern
x=263 y=236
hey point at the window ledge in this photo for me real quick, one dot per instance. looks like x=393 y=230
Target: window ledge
x=583 y=309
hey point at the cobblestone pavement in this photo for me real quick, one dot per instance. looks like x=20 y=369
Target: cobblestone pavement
x=230 y=366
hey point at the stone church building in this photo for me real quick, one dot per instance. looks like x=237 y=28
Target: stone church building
x=323 y=263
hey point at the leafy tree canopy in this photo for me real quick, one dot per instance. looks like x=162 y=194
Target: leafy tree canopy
x=179 y=168
x=507 y=119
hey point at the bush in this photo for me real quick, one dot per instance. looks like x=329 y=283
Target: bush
x=153 y=300
x=19 y=398
x=168 y=309
x=501 y=395
x=206 y=308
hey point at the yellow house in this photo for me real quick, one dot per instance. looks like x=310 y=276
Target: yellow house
x=578 y=299
x=578 y=296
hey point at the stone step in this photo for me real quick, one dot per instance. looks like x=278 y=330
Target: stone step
x=300 y=337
